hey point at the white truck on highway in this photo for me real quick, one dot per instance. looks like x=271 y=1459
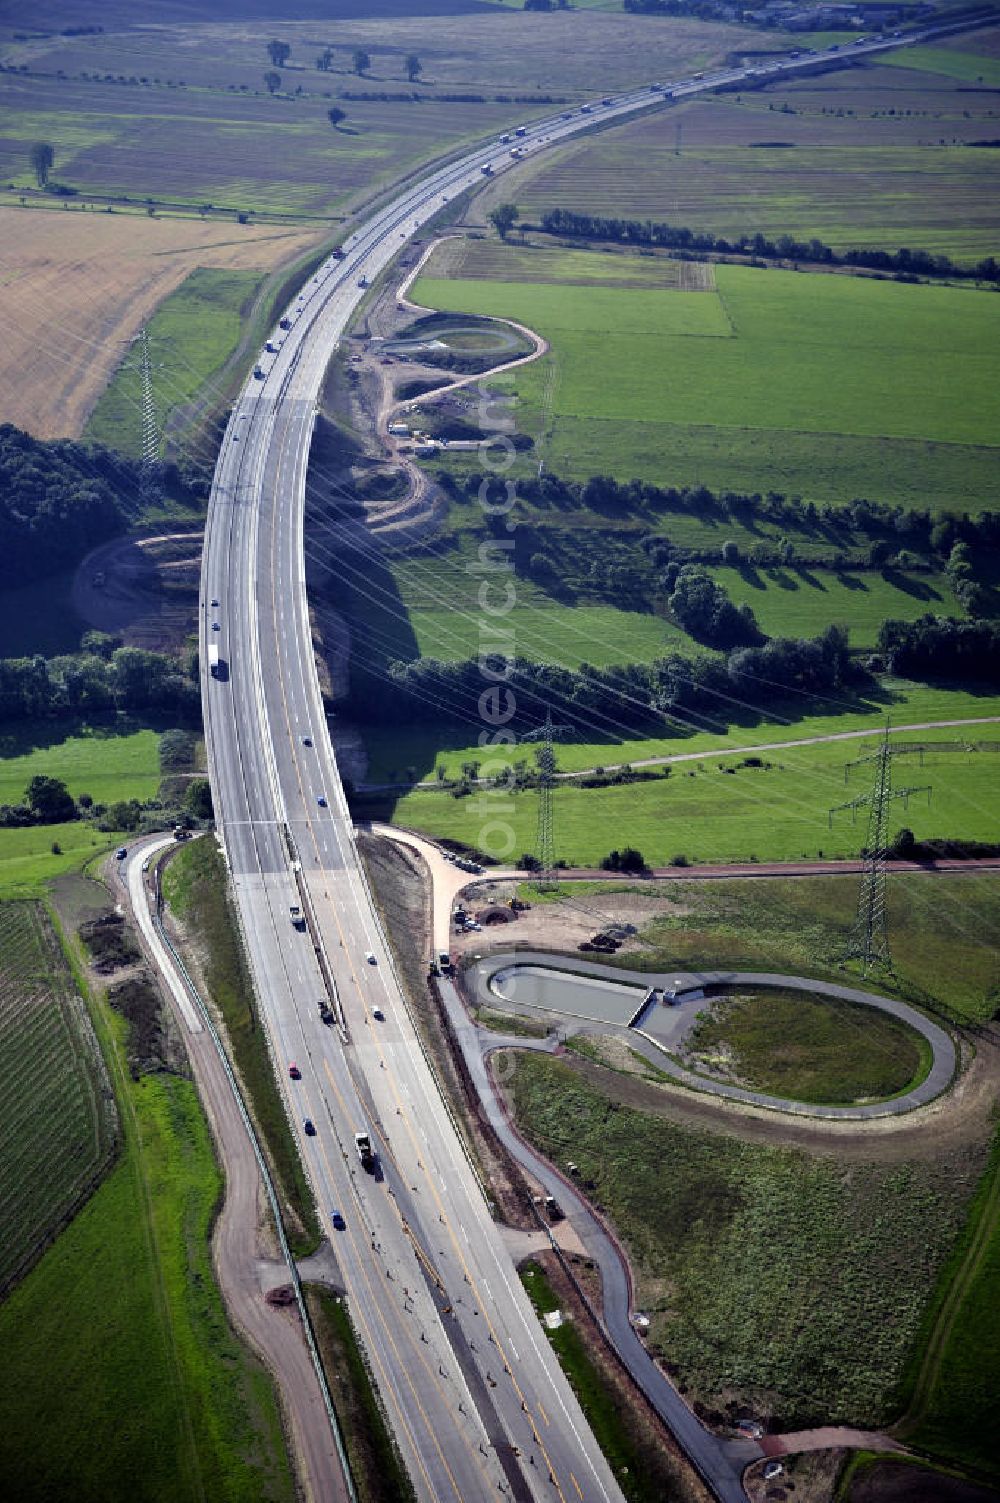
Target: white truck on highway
x=213 y=660
x=363 y=1144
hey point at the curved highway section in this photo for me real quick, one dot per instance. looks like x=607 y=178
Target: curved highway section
x=477 y=1401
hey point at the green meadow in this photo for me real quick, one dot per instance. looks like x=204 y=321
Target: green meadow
x=786 y=158
x=191 y=335
x=720 y=809
x=701 y=736
x=967 y=67
x=800 y=602
x=812 y=365
x=122 y=1376
x=108 y=766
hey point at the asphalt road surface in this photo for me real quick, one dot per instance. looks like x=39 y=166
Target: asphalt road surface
x=485 y=981
x=275 y=1334
x=476 y=1400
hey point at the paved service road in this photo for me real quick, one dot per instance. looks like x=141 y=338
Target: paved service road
x=475 y=1397
x=275 y=1334
x=720 y=1462
x=492 y=977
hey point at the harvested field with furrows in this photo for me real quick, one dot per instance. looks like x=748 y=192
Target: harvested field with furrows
x=76 y=287
x=788 y=159
x=55 y=1099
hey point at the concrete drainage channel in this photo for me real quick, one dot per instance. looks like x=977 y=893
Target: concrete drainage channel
x=655 y=1012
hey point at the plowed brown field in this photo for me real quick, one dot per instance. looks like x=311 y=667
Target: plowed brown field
x=76 y=286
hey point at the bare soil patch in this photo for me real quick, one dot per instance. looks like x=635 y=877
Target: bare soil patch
x=76 y=287
x=144 y=590
x=565 y=924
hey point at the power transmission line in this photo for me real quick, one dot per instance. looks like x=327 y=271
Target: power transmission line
x=149 y=462
x=545 y=842
x=869 y=940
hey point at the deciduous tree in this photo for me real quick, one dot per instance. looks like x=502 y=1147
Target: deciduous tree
x=503 y=219
x=278 y=52
x=49 y=800
x=362 y=62
x=42 y=159
x=273 y=82
x=414 y=67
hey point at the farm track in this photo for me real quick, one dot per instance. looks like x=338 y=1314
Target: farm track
x=986 y=1228
x=731 y=751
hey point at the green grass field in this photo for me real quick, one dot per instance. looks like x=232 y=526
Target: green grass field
x=27 y=861
x=181 y=113
x=427 y=605
x=800 y=602
x=108 y=766
x=97 y=761
x=122 y=1317
x=59 y=1128
x=808 y=365
x=719 y=810
x=191 y=335
x=967 y=67
x=791 y=1045
x=487 y=260
x=791 y=1282
x=951 y=1413
x=906 y=703
x=940 y=932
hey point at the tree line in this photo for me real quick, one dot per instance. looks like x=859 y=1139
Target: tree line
x=885 y=528
x=97 y=682
x=59 y=499
x=632 y=697
x=935 y=647
x=901 y=263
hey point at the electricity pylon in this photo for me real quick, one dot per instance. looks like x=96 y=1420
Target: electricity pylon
x=149 y=461
x=869 y=940
x=545 y=843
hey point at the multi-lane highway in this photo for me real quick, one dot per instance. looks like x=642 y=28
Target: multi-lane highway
x=478 y=1403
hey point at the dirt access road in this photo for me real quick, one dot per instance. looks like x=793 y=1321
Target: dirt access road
x=244 y=1269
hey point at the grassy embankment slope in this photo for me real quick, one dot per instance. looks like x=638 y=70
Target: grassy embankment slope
x=191 y=335
x=122 y=1318
x=196 y=889
x=766 y=1271
x=107 y=766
